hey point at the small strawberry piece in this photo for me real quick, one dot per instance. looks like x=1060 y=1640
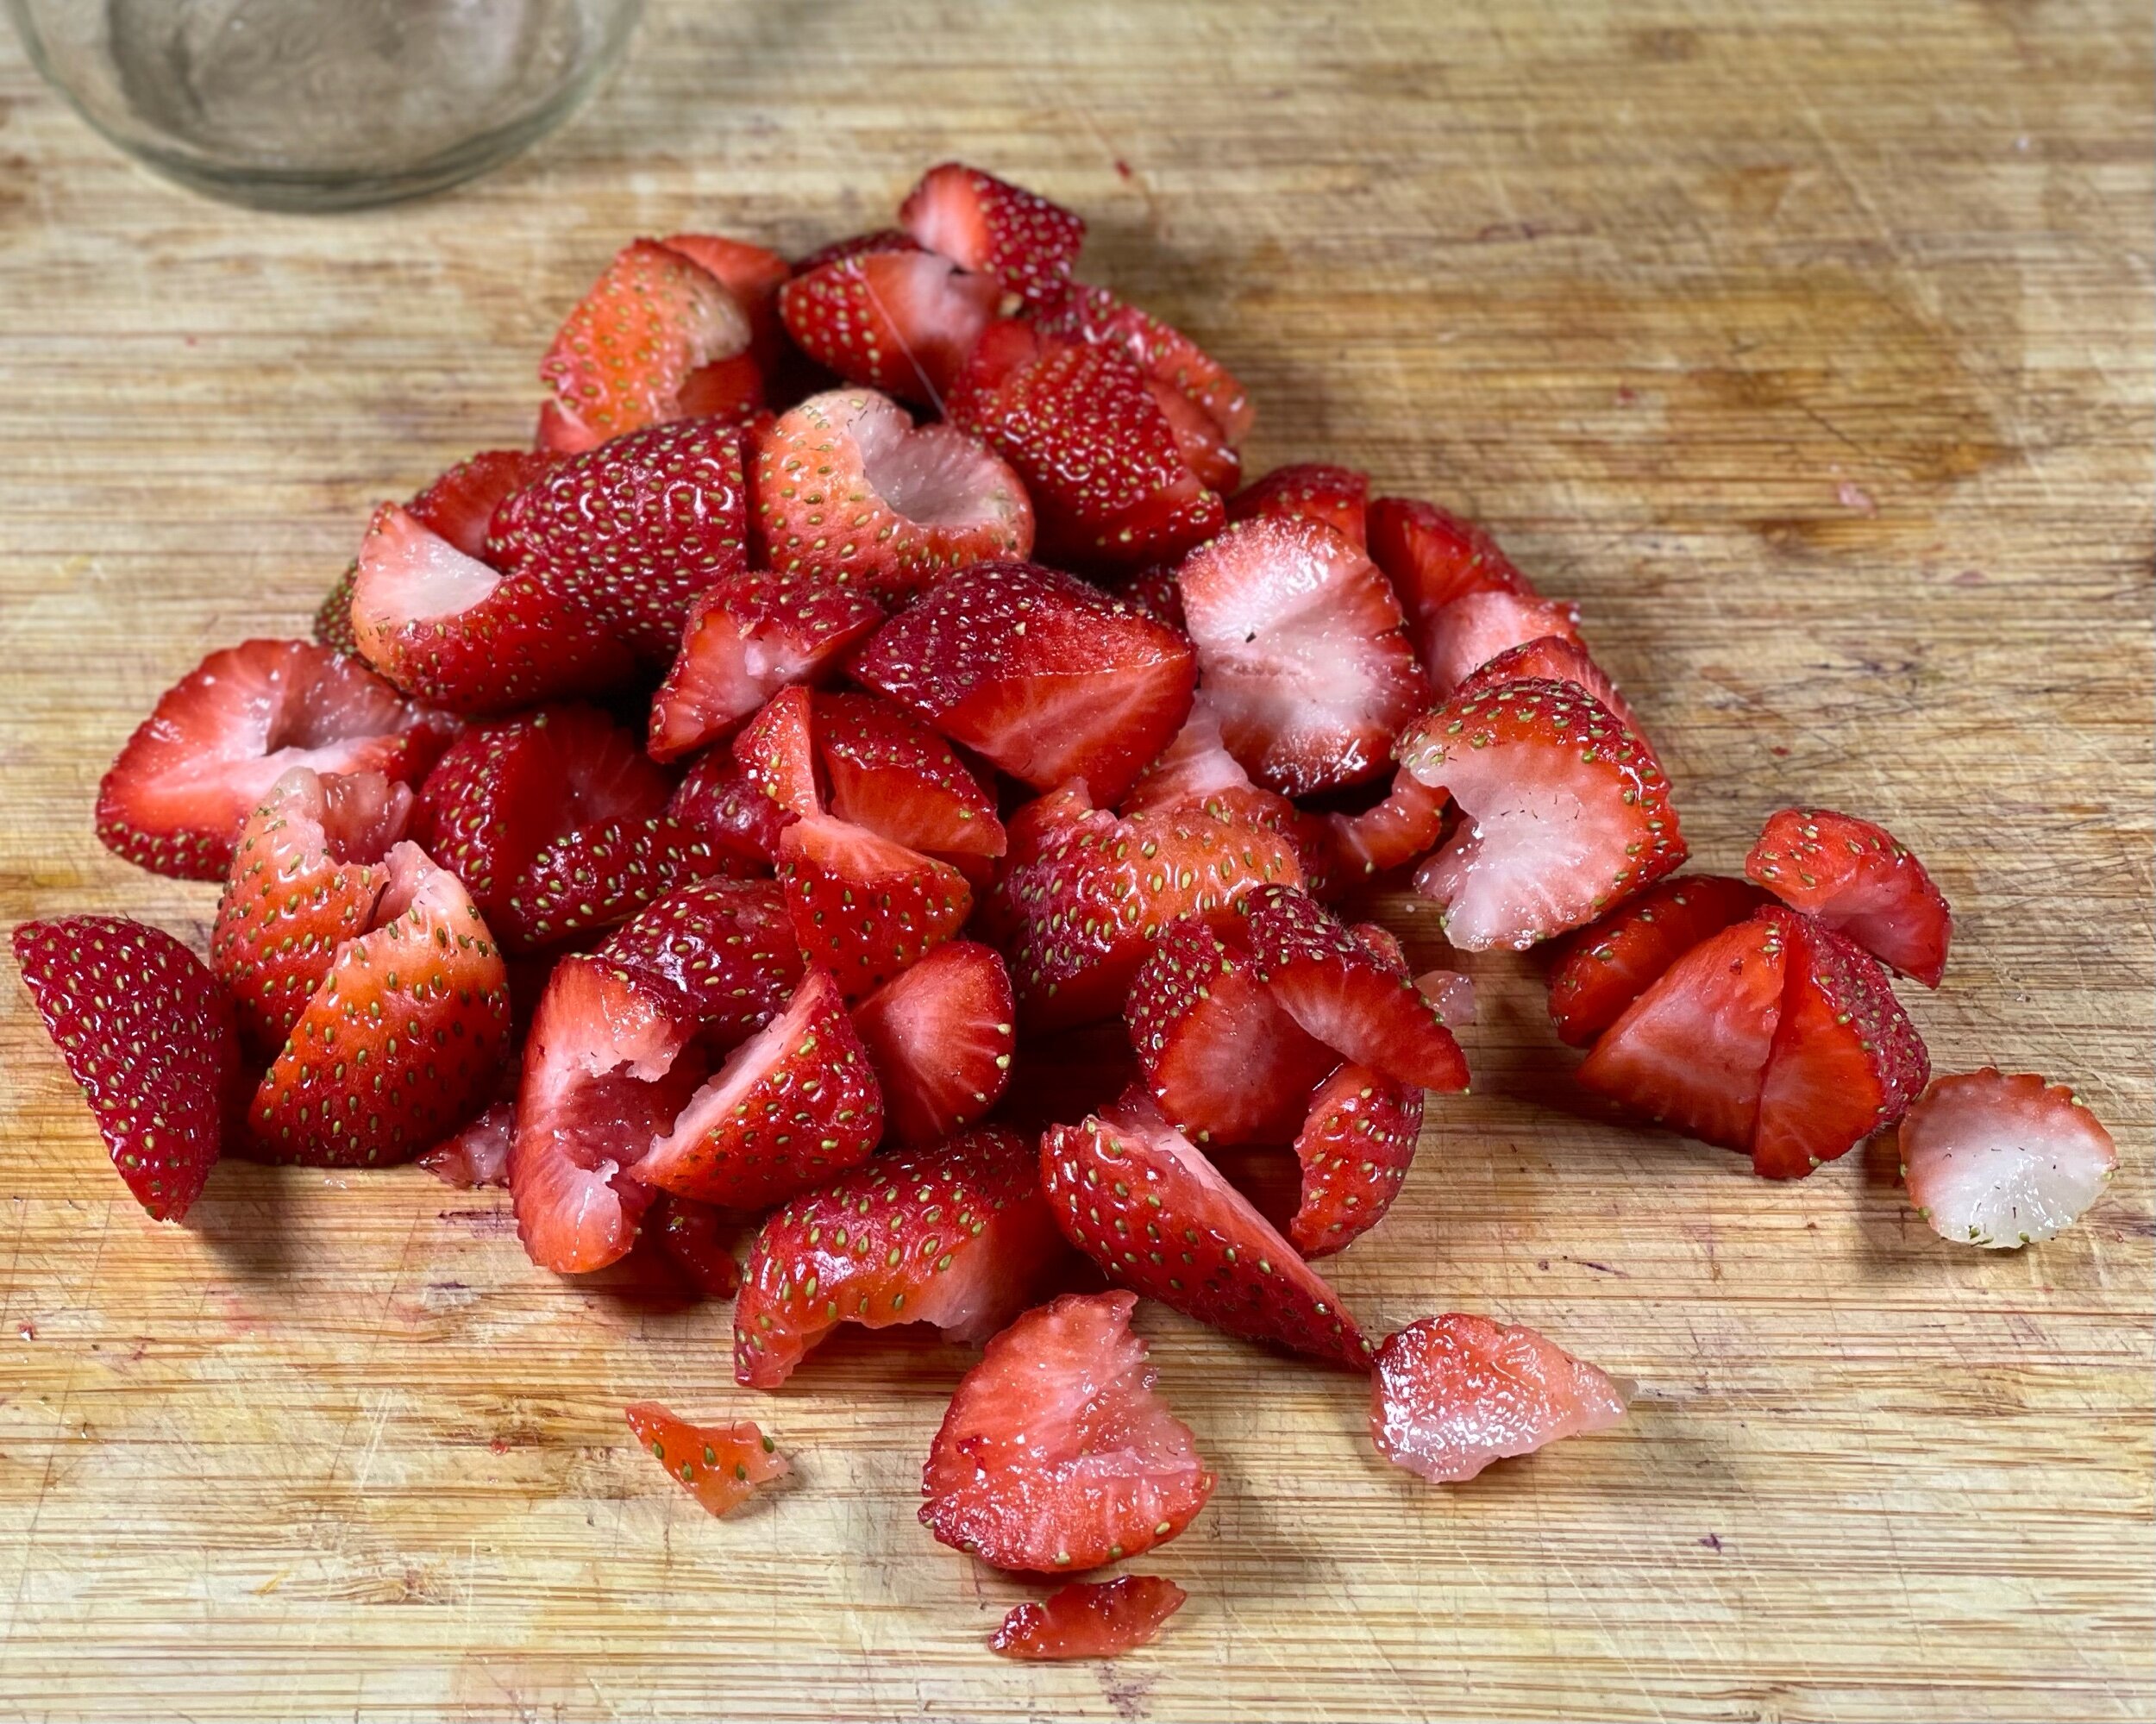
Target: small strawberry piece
x=332 y=616
x=720 y=801
x=1602 y=969
x=699 y=1240
x=175 y=801
x=777 y=752
x=1089 y=1619
x=1338 y=497
x=1355 y=1150
x=1198 y=439
x=1859 y=881
x=619 y=363
x=1452 y=1394
x=478 y=1154
x=1153 y=593
x=864 y=907
x=1097 y=317
x=147 y=1033
x=1432 y=556
x=1139 y=1199
x=876 y=241
x=1552 y=658
x=730 y=390
x=958 y=1236
x=2000 y=1162
x=1451 y=992
x=1476 y=627
x=753 y=276
x=941 y=1037
x=460 y=505
x=1057 y=1453
x=848 y=491
x=604 y=873
x=902 y=322
x=727 y=945
x=891 y=774
x=721 y=1466
x=1043 y=675
x=748 y=636
x=990 y=226
x=1390 y=834
x=1564 y=813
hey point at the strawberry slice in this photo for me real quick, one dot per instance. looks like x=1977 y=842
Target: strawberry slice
x=848 y=491
x=1096 y=317
x=958 y=1236
x=1355 y=1149
x=1139 y=1199
x=1432 y=556
x=1452 y=1394
x=1389 y=834
x=1553 y=659
x=478 y=1154
x=1603 y=968
x=1564 y=813
x=175 y=799
x=1043 y=675
x=748 y=635
x=1057 y=1453
x=2000 y=1162
x=460 y=504
x=864 y=907
x=726 y=945
x=941 y=1037
x=305 y=876
x=891 y=774
x=777 y=752
x=721 y=803
x=753 y=276
x=990 y=226
x=1337 y=497
x=698 y=1241
x=1466 y=635
x=1302 y=648
x=902 y=322
x=720 y=1465
x=1859 y=881
x=147 y=1033
x=618 y=362
x=1089 y=1619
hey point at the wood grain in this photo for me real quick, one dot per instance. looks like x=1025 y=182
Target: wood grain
x=1810 y=347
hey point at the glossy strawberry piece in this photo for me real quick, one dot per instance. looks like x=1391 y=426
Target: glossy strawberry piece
x=476 y=1154
x=720 y=1465
x=1432 y=556
x=753 y=276
x=332 y=626
x=460 y=503
x=1337 y=497
x=727 y=945
x=778 y=751
x=899 y=321
x=602 y=874
x=890 y=772
x=1403 y=827
x=1465 y=636
x=863 y=907
x=1354 y=1147
x=1165 y=355
x=1606 y=966
x=720 y=802
x=1859 y=881
x=990 y=226
x=1553 y=658
x=2000 y=1162
x=699 y=1240
x=941 y=1036
x=1089 y=1619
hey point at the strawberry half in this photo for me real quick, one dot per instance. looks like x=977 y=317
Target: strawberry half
x=1355 y=1149
x=1452 y=1394
x=1337 y=497
x=941 y=1037
x=175 y=801
x=1139 y=1199
x=1603 y=968
x=1303 y=650
x=1389 y=834
x=1552 y=658
x=848 y=490
x=1089 y=1619
x=991 y=227
x=1043 y=675
x=1565 y=813
x=1166 y=355
x=1859 y=881
x=891 y=774
x=900 y=321
x=728 y=946
x=958 y=1236
x=2000 y=1162
x=459 y=505
x=147 y=1033
x=720 y=1465
x=721 y=803
x=1056 y=1452
x=864 y=907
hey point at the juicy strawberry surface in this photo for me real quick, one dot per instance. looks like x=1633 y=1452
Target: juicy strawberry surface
x=476 y=1154
x=1432 y=556
x=603 y=872
x=1089 y=1619
x=719 y=800
x=902 y=322
x=1095 y=316
x=698 y=1241
x=332 y=626
x=148 y=1032
x=1337 y=497
x=941 y=1036
x=890 y=772
x=728 y=946
x=1552 y=658
x=864 y=907
x=753 y=276
x=2000 y=1162
x=1355 y=1149
x=1463 y=637
x=720 y=1465
x=459 y=505
x=778 y=751
x=1858 y=880
x=994 y=227
x=1057 y=1453
x=1606 y=966
x=1153 y=593
x=1389 y=834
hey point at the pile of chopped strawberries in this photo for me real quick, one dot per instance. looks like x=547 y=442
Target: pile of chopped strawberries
x=725 y=818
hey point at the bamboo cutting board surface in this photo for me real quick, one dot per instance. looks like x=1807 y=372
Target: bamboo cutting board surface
x=1809 y=347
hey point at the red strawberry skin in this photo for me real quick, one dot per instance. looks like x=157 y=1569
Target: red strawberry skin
x=727 y=945
x=1433 y=556
x=720 y=1465
x=604 y=873
x=890 y=772
x=1553 y=658
x=1860 y=880
x=990 y=226
x=1089 y=1619
x=900 y=320
x=941 y=1037
x=1603 y=968
x=1337 y=496
x=460 y=504
x=1165 y=355
x=720 y=802
x=1355 y=1150
x=1389 y=834
x=753 y=276
x=863 y=907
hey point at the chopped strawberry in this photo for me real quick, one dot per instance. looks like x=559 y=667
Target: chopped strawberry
x=1057 y=1453
x=1153 y=593
x=753 y=276
x=2000 y=1162
x=941 y=1037
x=902 y=322
x=1477 y=627
x=748 y=635
x=1451 y=992
x=891 y=774
x=603 y=872
x=478 y=1154
x=1606 y=966
x=1338 y=497
x=848 y=491
x=1355 y=1149
x=1099 y=458
x=699 y=1240
x=175 y=801
x=1389 y=834
x=1452 y=1394
x=1859 y=881
x=1302 y=647
x=1045 y=676
x=1089 y=1619
x=731 y=390
x=1562 y=813
x=958 y=1236
x=722 y=1465
x=988 y=225
x=332 y=616
x=863 y=906
x=1200 y=440
x=1139 y=1199
x=727 y=945
x=147 y=1033
x=1432 y=556
x=1097 y=317
x=1552 y=658
x=777 y=752
x=720 y=801
x=460 y=504
x=873 y=243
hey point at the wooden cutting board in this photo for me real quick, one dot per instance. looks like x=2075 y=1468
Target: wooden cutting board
x=1809 y=347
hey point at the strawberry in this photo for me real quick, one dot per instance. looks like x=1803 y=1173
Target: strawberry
x=1302 y=648
x=1089 y=1619
x=460 y=504
x=777 y=752
x=1603 y=968
x=1432 y=556
x=175 y=801
x=1098 y=458
x=1337 y=496
x=940 y=1037
x=1452 y=1394
x=1389 y=834
x=848 y=490
x=1552 y=658
x=876 y=242
x=478 y=1154
x=748 y=635
x=1562 y=813
x=402 y=1042
x=631 y=531
x=1096 y=317
x=902 y=322
x=720 y=802
x=2000 y=1162
x=147 y=1033
x=726 y=945
x=1354 y=1148
x=988 y=225
x=698 y=1241
x=1859 y=881
x=1139 y=1199
x=619 y=363
x=721 y=1466
x=305 y=876
x=603 y=872
x=1045 y=676
x=1153 y=593
x=332 y=616
x=864 y=907
x=1451 y=992
x=729 y=390
x=753 y=276
x=1200 y=442
x=891 y=774
x=958 y=1236
x=1056 y=1452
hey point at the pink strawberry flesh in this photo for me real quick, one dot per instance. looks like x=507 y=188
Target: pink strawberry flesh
x=2000 y=1162
x=1089 y=1620
x=941 y=1036
x=990 y=226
